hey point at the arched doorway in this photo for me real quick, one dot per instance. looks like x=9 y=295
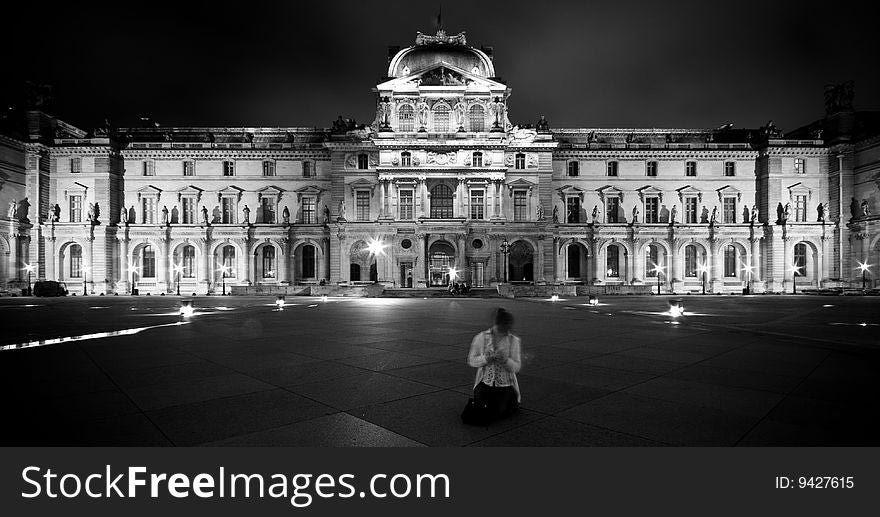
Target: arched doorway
x=577 y=262
x=226 y=272
x=363 y=263
x=520 y=264
x=441 y=257
x=306 y=263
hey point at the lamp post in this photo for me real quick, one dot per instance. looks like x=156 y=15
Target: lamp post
x=795 y=270
x=864 y=267
x=30 y=269
x=702 y=270
x=133 y=270
x=224 y=269
x=85 y=272
x=177 y=270
x=505 y=249
x=748 y=269
x=659 y=269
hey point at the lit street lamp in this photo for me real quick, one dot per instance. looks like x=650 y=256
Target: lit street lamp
x=748 y=269
x=659 y=269
x=505 y=249
x=795 y=271
x=864 y=267
x=133 y=270
x=702 y=269
x=30 y=269
x=224 y=270
x=177 y=270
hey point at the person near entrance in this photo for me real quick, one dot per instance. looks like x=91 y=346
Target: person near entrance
x=496 y=353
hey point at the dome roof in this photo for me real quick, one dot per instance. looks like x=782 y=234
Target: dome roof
x=434 y=50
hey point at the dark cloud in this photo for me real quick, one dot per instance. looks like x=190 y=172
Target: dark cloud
x=607 y=64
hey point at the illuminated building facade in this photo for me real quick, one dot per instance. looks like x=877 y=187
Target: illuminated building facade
x=440 y=181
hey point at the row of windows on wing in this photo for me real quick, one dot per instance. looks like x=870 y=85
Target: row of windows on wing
x=440 y=119
x=734 y=262
x=188 y=168
x=185 y=263
x=690 y=168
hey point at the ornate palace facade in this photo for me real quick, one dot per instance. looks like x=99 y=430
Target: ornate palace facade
x=441 y=185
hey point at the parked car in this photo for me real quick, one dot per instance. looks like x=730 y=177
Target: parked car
x=49 y=288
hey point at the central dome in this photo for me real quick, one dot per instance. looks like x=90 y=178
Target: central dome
x=430 y=51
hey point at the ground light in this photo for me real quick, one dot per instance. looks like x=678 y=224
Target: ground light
x=593 y=300
x=186 y=308
x=554 y=298
x=864 y=267
x=676 y=309
x=279 y=302
x=324 y=298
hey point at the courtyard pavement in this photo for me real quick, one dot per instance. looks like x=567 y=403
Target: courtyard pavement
x=734 y=370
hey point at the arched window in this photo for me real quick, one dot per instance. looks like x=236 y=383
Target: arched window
x=441 y=119
x=268 y=262
x=478 y=159
x=690 y=261
x=730 y=261
x=308 y=261
x=76 y=255
x=652 y=260
x=228 y=261
x=612 y=261
x=189 y=262
x=573 y=168
x=441 y=202
x=800 y=259
x=574 y=261
x=405 y=118
x=477 y=119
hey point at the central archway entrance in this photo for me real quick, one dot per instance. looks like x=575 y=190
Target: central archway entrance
x=521 y=263
x=441 y=257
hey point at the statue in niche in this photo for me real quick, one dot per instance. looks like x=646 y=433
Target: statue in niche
x=285 y=215
x=542 y=126
x=820 y=212
x=714 y=217
x=423 y=114
x=635 y=214
x=341 y=210
x=247 y=215
x=93 y=213
x=164 y=215
x=754 y=217
x=123 y=216
x=854 y=207
x=13 y=207
x=672 y=214
x=459 y=115
x=498 y=110
x=540 y=210
x=205 y=219
x=555 y=214
x=866 y=211
x=56 y=213
x=326 y=214
x=595 y=214
x=786 y=213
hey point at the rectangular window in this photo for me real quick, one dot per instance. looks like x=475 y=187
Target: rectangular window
x=478 y=159
x=573 y=168
x=690 y=210
x=690 y=168
x=799 y=166
x=307 y=170
x=227 y=207
x=441 y=120
x=520 y=161
x=730 y=168
x=651 y=170
x=76 y=209
x=406 y=205
x=189 y=168
x=612 y=262
x=188 y=209
x=519 y=206
x=228 y=262
x=652 y=210
x=652 y=260
x=612 y=209
x=363 y=205
x=690 y=262
x=148 y=264
x=363 y=161
x=730 y=261
x=308 y=210
x=149 y=209
x=149 y=168
x=800 y=208
x=189 y=262
x=405 y=159
x=268 y=262
x=76 y=262
x=800 y=259
x=76 y=165
x=229 y=168
x=308 y=262
x=267 y=205
x=268 y=168
x=729 y=215
x=573 y=210
x=477 y=204
x=612 y=168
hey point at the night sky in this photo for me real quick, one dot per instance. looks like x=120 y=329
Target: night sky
x=581 y=63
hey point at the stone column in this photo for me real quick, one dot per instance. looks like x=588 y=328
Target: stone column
x=285 y=263
x=248 y=262
x=124 y=269
x=715 y=283
x=461 y=263
x=755 y=245
x=163 y=266
x=676 y=265
x=540 y=277
x=207 y=265
x=419 y=267
x=14 y=269
x=326 y=257
x=787 y=262
x=596 y=262
x=558 y=261
x=51 y=258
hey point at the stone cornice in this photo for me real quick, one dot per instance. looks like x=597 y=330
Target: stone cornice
x=220 y=154
x=655 y=154
x=796 y=151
